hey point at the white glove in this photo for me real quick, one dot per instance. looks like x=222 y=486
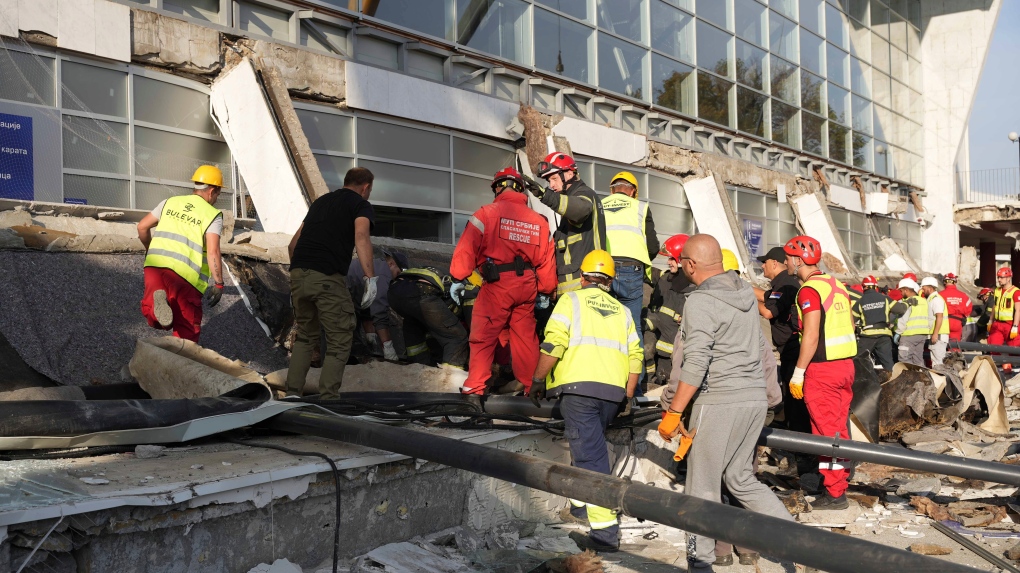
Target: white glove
x=389 y=352
x=456 y=289
x=543 y=301
x=371 y=289
x=797 y=383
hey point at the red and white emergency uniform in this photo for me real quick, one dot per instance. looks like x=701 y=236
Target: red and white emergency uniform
x=959 y=307
x=501 y=231
x=1004 y=301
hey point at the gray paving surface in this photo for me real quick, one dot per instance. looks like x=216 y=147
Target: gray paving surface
x=75 y=317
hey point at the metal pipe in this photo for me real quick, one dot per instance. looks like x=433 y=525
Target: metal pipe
x=978 y=347
x=977 y=549
x=772 y=536
x=891 y=456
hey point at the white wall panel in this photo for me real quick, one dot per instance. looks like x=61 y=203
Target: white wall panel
x=76 y=25
x=710 y=214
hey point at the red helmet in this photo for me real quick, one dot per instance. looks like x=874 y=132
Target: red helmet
x=1004 y=272
x=910 y=276
x=869 y=281
x=554 y=163
x=984 y=292
x=803 y=246
x=512 y=176
x=674 y=246
x=950 y=277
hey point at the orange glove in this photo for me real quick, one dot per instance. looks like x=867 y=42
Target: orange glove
x=682 y=449
x=670 y=425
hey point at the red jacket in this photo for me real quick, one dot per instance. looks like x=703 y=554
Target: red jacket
x=957 y=302
x=502 y=230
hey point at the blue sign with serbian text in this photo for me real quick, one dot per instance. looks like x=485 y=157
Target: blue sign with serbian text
x=17 y=170
x=754 y=230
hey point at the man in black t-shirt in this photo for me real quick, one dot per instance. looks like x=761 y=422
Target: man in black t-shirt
x=320 y=254
x=777 y=305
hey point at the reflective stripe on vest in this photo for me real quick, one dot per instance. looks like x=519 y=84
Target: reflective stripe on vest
x=424 y=275
x=944 y=329
x=838 y=327
x=663 y=346
x=917 y=322
x=601 y=330
x=625 y=228
x=1004 y=304
x=179 y=238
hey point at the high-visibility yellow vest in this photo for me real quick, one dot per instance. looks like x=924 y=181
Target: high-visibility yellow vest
x=594 y=337
x=178 y=241
x=625 y=228
x=1004 y=304
x=944 y=329
x=836 y=340
x=917 y=322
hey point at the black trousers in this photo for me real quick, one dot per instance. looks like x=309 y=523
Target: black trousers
x=797 y=418
x=424 y=312
x=880 y=347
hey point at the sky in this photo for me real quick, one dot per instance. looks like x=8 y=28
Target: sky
x=996 y=109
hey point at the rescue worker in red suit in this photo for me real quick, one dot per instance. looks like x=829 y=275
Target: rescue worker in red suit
x=958 y=306
x=824 y=375
x=509 y=244
x=1003 y=328
x=894 y=293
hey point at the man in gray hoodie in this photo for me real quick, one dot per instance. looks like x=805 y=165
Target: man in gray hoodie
x=722 y=374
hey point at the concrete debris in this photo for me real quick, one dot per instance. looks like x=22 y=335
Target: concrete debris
x=1013 y=552
x=382 y=377
x=55 y=393
x=832 y=518
x=278 y=566
x=407 y=557
x=931 y=434
x=167 y=42
x=467 y=540
x=929 y=549
x=10 y=239
x=503 y=536
x=966 y=513
x=794 y=501
x=170 y=367
x=94 y=480
x=927 y=487
x=143 y=452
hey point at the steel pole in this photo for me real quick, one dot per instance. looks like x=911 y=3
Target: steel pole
x=772 y=536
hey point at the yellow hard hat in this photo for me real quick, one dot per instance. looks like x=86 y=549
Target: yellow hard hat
x=599 y=261
x=626 y=176
x=209 y=175
x=729 y=261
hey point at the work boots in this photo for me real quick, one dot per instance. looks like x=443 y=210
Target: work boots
x=828 y=502
x=161 y=309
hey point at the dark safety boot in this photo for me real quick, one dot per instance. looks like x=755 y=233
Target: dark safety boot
x=828 y=502
x=723 y=560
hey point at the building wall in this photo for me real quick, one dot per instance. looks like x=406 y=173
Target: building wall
x=955 y=41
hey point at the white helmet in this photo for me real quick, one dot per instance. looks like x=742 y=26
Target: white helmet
x=930 y=281
x=908 y=283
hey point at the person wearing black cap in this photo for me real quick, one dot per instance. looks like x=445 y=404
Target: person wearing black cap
x=777 y=305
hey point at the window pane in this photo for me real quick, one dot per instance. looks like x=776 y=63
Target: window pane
x=837 y=101
x=672 y=84
x=425 y=65
x=93 y=89
x=149 y=195
x=882 y=89
x=426 y=16
x=716 y=12
x=621 y=18
x=751 y=204
x=404 y=223
x=664 y=191
x=98 y=191
x=470 y=193
x=880 y=19
x=862 y=151
x=172 y=105
x=714 y=49
x=883 y=123
x=860 y=41
x=784 y=80
x=334 y=169
x=879 y=53
x=576 y=8
x=838 y=144
x=199 y=9
x=785 y=128
x=783 y=37
x=480 y=158
x=337 y=36
x=898 y=67
x=750 y=21
x=403 y=143
x=327 y=131
x=620 y=67
x=811 y=15
x=860 y=77
x=176 y=157
x=858 y=9
x=95 y=145
x=836 y=27
x=672 y=32
x=812 y=133
x=378 y=52
x=409 y=185
x=498 y=28
x=26 y=77
x=838 y=66
x=881 y=158
x=787 y=8
x=670 y=220
x=811 y=92
x=563 y=46
x=812 y=53
x=714 y=99
x=861 y=114
x=913 y=41
x=901 y=97
x=751 y=111
x=897 y=31
x=263 y=21
x=750 y=65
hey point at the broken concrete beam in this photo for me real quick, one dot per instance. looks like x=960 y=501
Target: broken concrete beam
x=311 y=75
x=170 y=367
x=382 y=377
x=166 y=42
x=52 y=393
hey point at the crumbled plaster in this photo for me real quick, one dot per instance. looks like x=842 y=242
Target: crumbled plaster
x=307 y=74
x=973 y=214
x=970 y=265
x=536 y=130
x=166 y=42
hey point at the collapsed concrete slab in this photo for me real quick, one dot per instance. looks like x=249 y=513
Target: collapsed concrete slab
x=171 y=368
x=714 y=214
x=815 y=220
x=382 y=377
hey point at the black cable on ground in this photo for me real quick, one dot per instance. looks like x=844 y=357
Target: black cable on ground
x=336 y=485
